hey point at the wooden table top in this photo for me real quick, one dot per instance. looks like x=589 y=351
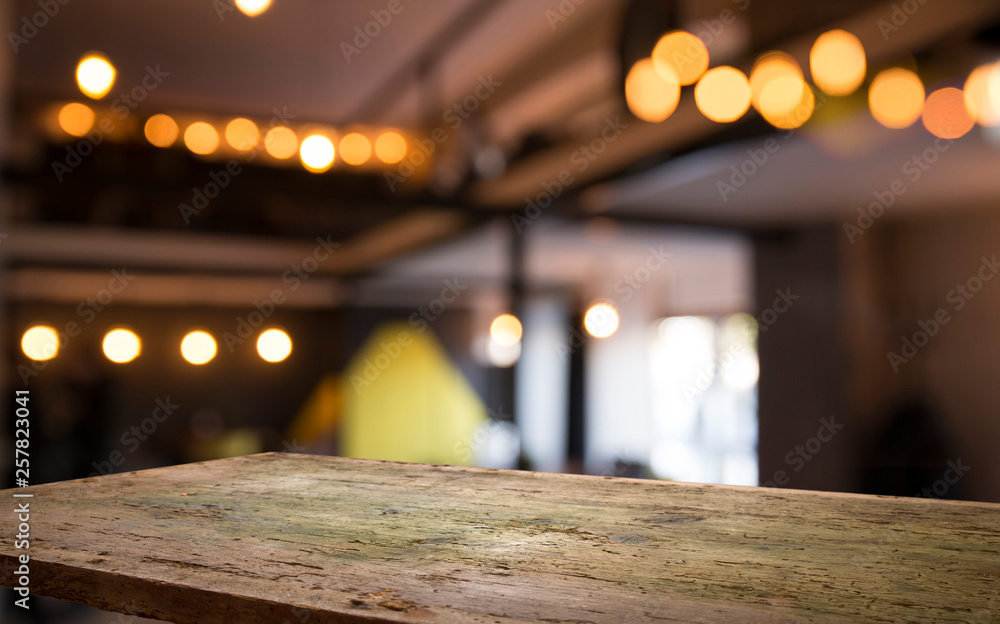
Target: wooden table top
x=305 y=539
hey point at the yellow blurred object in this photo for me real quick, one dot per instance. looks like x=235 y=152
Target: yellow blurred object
x=201 y=138
x=406 y=401
x=321 y=414
x=355 y=149
x=95 y=75
x=242 y=134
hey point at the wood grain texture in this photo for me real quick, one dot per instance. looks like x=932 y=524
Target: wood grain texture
x=306 y=539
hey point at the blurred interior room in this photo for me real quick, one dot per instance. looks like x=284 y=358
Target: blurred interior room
x=745 y=242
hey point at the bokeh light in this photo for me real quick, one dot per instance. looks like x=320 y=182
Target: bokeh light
x=390 y=147
x=506 y=330
x=601 y=320
x=317 y=153
x=121 y=346
x=837 y=62
x=40 y=343
x=896 y=98
x=680 y=56
x=253 y=8
x=198 y=347
x=76 y=119
x=723 y=94
x=945 y=115
x=274 y=345
x=769 y=67
x=355 y=149
x=982 y=94
x=242 y=134
x=95 y=75
x=201 y=138
x=787 y=102
x=161 y=130
x=649 y=96
x=281 y=142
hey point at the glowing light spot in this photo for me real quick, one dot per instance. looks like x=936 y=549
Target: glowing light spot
x=945 y=115
x=390 y=147
x=787 y=102
x=274 y=345
x=242 y=134
x=76 y=119
x=768 y=68
x=317 y=153
x=506 y=330
x=201 y=138
x=649 y=96
x=95 y=76
x=40 y=343
x=253 y=8
x=837 y=62
x=680 y=56
x=723 y=94
x=198 y=347
x=281 y=142
x=601 y=320
x=982 y=94
x=355 y=149
x=121 y=346
x=896 y=98
x=161 y=130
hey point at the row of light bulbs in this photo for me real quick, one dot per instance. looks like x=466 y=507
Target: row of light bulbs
x=121 y=346
x=777 y=89
x=95 y=76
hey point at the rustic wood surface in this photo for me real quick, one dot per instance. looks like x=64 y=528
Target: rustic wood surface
x=303 y=539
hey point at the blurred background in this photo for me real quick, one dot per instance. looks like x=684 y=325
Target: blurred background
x=746 y=242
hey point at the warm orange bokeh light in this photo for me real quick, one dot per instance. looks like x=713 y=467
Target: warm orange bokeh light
x=649 y=96
x=201 y=138
x=723 y=94
x=161 y=130
x=768 y=68
x=355 y=149
x=242 y=134
x=837 y=62
x=680 y=56
x=76 y=119
x=281 y=142
x=982 y=94
x=390 y=147
x=945 y=115
x=896 y=98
